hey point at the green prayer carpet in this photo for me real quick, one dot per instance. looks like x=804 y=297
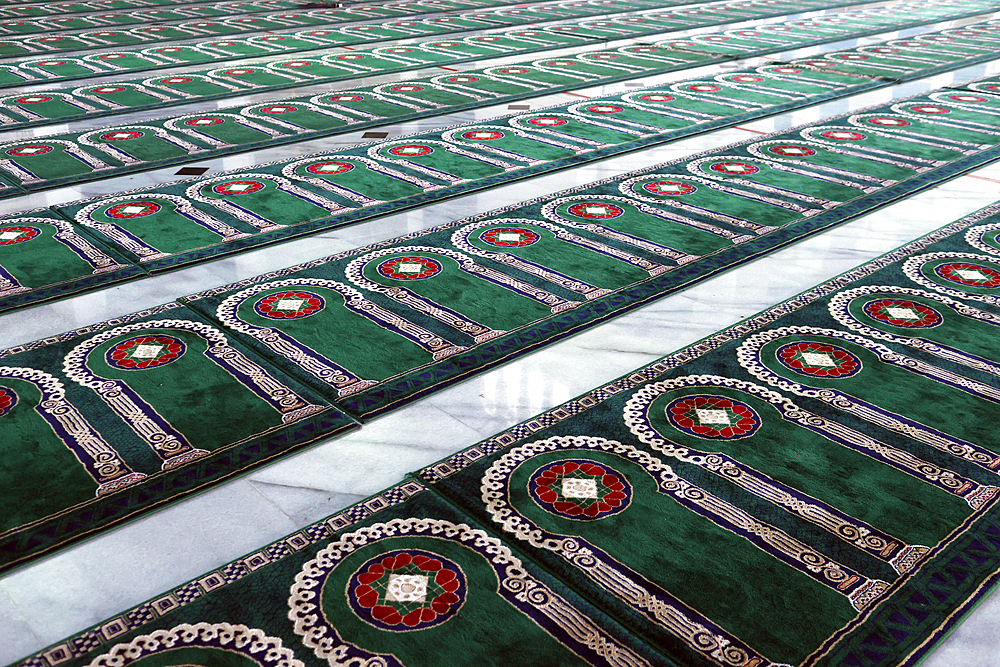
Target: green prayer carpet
x=815 y=486
x=105 y=423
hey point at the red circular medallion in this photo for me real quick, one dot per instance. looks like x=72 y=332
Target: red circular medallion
x=289 y=305
x=409 y=268
x=12 y=235
x=843 y=135
x=233 y=188
x=887 y=121
x=122 y=135
x=411 y=150
x=903 y=313
x=713 y=417
x=669 y=188
x=734 y=168
x=482 y=135
x=204 y=122
x=408 y=589
x=970 y=275
x=580 y=489
x=547 y=121
x=657 y=97
x=329 y=168
x=596 y=210
x=791 y=150
x=968 y=99
x=28 y=151
x=509 y=237
x=132 y=209
x=819 y=360
x=142 y=352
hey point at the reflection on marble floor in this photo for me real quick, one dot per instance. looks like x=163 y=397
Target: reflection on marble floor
x=80 y=586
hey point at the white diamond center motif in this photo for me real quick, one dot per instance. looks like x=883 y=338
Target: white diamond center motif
x=482 y=135
x=133 y=210
x=147 y=351
x=579 y=488
x=595 y=210
x=9 y=236
x=407 y=588
x=899 y=313
x=509 y=237
x=818 y=359
x=290 y=304
x=240 y=187
x=970 y=274
x=706 y=416
x=30 y=150
x=410 y=150
x=410 y=267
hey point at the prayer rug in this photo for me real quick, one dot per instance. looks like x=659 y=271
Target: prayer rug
x=106 y=422
x=42 y=256
x=44 y=107
x=62 y=66
x=815 y=486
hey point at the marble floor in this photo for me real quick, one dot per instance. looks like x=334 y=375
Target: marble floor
x=80 y=586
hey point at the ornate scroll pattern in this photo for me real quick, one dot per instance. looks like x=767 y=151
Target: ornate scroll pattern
x=697 y=631
x=251 y=643
x=98 y=458
x=518 y=587
x=315 y=363
x=162 y=438
x=839 y=310
x=974 y=237
x=896 y=552
x=748 y=355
